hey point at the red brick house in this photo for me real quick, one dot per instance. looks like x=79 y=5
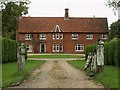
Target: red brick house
x=61 y=34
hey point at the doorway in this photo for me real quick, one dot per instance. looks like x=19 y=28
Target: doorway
x=42 y=48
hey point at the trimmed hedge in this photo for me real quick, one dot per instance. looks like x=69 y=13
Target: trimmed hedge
x=112 y=50
x=9 y=50
x=89 y=49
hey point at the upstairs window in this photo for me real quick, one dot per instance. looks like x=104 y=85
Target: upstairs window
x=57 y=36
x=53 y=36
x=104 y=36
x=42 y=36
x=74 y=36
x=79 y=47
x=28 y=37
x=89 y=36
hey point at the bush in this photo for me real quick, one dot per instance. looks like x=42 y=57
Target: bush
x=9 y=50
x=89 y=49
x=116 y=52
x=111 y=53
x=112 y=50
x=106 y=53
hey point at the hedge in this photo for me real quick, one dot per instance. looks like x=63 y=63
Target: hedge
x=89 y=49
x=9 y=50
x=111 y=52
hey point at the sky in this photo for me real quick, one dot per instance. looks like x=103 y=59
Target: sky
x=77 y=8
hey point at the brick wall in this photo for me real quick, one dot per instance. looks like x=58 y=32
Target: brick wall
x=67 y=42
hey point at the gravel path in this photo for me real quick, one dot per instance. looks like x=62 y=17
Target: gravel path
x=58 y=74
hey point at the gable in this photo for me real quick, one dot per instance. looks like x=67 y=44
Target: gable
x=57 y=29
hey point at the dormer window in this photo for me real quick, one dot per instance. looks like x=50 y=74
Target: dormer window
x=28 y=37
x=42 y=36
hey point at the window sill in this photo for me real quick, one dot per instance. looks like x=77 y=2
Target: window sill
x=28 y=39
x=79 y=50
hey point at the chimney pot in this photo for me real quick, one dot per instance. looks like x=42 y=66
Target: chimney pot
x=66 y=17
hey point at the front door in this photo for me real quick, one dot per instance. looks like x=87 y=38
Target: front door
x=42 y=48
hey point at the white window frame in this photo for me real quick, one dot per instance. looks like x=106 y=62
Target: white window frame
x=57 y=48
x=61 y=48
x=29 y=48
x=104 y=36
x=61 y=36
x=54 y=48
x=42 y=36
x=89 y=36
x=74 y=36
x=54 y=36
x=57 y=36
x=77 y=46
x=28 y=36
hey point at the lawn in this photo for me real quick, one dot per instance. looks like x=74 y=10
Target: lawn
x=109 y=78
x=55 y=56
x=11 y=75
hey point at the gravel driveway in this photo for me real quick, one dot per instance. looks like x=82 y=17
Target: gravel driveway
x=58 y=74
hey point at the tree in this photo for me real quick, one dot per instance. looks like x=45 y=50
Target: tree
x=115 y=30
x=11 y=11
x=115 y=4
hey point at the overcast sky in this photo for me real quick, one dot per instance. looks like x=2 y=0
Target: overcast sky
x=77 y=8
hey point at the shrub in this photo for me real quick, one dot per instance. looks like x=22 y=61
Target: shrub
x=89 y=49
x=116 y=52
x=106 y=53
x=112 y=50
x=8 y=50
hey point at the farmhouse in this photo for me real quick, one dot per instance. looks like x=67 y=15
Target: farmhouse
x=61 y=34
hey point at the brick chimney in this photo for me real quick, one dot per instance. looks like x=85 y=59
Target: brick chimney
x=66 y=17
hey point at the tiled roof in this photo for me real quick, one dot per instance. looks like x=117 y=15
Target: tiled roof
x=47 y=24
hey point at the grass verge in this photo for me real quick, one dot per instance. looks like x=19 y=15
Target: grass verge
x=55 y=56
x=10 y=74
x=109 y=78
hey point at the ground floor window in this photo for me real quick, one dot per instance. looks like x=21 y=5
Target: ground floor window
x=29 y=48
x=57 y=48
x=79 y=47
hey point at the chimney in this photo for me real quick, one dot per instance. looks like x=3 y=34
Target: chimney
x=66 y=17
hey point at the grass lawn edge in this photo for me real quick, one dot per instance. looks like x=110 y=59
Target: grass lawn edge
x=26 y=74
x=81 y=68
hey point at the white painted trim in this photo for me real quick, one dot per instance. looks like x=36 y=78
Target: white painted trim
x=79 y=50
x=90 y=36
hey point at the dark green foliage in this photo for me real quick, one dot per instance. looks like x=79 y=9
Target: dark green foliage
x=115 y=29
x=118 y=52
x=90 y=48
x=25 y=52
x=11 y=12
x=106 y=53
x=9 y=50
x=112 y=51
